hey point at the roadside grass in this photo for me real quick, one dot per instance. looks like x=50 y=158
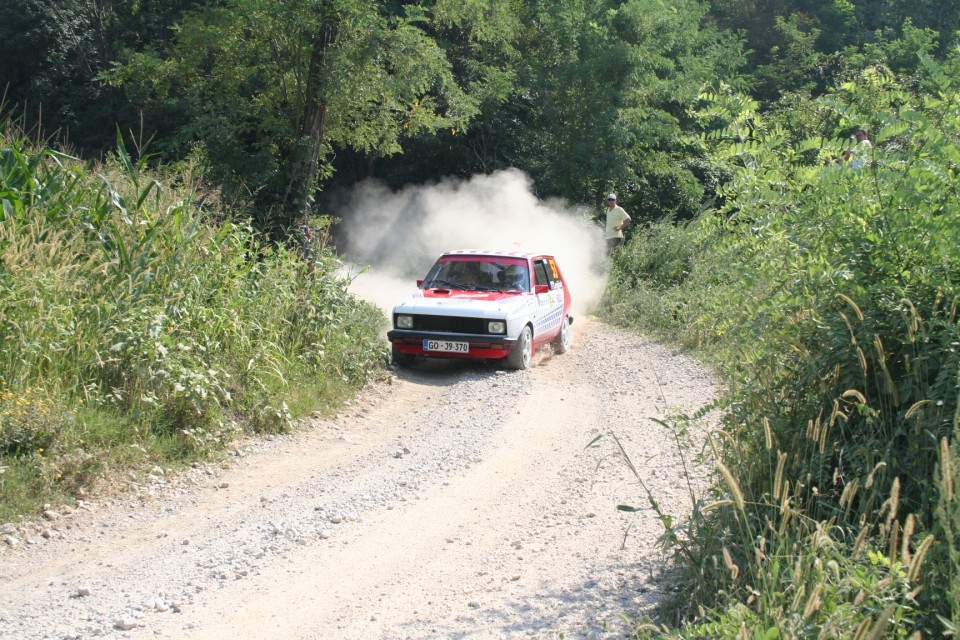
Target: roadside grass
x=828 y=298
x=145 y=325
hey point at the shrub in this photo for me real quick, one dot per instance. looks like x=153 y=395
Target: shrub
x=30 y=423
x=175 y=326
x=831 y=296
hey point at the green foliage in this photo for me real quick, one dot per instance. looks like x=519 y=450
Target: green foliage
x=51 y=54
x=292 y=83
x=605 y=84
x=652 y=290
x=829 y=297
x=172 y=329
x=28 y=422
x=589 y=98
x=793 y=58
x=804 y=45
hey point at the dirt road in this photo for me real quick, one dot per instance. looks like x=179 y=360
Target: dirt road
x=455 y=500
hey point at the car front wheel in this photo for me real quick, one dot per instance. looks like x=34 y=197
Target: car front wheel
x=522 y=354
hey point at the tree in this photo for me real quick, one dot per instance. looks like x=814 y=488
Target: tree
x=799 y=44
x=268 y=90
x=606 y=87
x=590 y=96
x=481 y=39
x=794 y=64
x=52 y=52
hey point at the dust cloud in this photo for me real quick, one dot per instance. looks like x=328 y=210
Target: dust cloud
x=392 y=238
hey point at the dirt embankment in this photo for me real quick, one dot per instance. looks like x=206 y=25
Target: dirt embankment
x=457 y=500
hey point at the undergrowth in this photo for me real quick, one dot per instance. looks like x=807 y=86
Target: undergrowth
x=144 y=324
x=827 y=296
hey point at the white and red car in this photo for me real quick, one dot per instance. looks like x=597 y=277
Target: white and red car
x=484 y=305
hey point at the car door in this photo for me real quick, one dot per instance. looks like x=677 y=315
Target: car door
x=550 y=303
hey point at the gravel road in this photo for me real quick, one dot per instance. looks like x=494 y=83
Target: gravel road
x=453 y=500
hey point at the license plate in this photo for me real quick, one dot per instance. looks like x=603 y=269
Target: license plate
x=446 y=345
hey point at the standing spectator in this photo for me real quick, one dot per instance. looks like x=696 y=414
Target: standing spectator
x=859 y=153
x=617 y=221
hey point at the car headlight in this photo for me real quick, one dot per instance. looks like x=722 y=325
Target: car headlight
x=404 y=322
x=496 y=326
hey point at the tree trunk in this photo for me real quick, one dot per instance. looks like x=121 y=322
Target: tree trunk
x=305 y=156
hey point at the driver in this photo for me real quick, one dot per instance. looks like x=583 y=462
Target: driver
x=513 y=277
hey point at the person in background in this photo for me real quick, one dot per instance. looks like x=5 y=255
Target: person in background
x=859 y=153
x=617 y=221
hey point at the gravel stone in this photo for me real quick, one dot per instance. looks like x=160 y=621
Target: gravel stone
x=125 y=624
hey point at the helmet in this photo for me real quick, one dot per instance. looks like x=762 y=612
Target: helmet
x=511 y=276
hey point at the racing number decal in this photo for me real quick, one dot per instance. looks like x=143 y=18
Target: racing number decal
x=553 y=269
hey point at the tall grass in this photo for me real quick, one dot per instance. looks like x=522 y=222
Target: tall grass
x=141 y=318
x=828 y=296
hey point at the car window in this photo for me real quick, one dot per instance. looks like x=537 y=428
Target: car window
x=540 y=270
x=513 y=277
x=478 y=273
x=547 y=273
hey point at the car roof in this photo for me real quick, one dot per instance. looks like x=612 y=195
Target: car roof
x=494 y=252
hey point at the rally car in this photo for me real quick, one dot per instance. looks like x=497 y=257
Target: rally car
x=484 y=305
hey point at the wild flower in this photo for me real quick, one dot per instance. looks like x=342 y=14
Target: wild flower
x=28 y=423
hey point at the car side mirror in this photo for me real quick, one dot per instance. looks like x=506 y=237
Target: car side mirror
x=419 y=282
x=541 y=288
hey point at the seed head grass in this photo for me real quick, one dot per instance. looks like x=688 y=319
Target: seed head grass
x=140 y=328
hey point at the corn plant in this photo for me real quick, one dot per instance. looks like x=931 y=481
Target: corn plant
x=147 y=323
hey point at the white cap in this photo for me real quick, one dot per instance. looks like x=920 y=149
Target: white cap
x=612 y=196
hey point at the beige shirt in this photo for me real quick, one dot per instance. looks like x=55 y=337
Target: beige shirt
x=615 y=217
x=860 y=154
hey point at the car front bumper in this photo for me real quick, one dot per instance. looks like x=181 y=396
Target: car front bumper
x=411 y=342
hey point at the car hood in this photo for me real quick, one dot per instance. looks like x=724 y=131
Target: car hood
x=461 y=303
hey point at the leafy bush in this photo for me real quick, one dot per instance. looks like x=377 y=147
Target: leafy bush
x=29 y=422
x=829 y=297
x=174 y=326
x=660 y=277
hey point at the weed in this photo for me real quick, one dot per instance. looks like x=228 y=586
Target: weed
x=828 y=299
x=138 y=327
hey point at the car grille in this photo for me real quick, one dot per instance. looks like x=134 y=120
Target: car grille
x=449 y=324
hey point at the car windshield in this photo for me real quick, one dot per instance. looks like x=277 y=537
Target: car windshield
x=479 y=274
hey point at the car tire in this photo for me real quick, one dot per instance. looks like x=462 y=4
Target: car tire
x=400 y=359
x=522 y=354
x=561 y=344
